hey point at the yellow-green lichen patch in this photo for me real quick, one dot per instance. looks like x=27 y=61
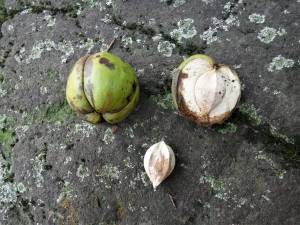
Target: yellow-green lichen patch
x=7 y=136
x=51 y=113
x=185 y=30
x=257 y=18
x=207 y=2
x=275 y=133
x=51 y=21
x=21 y=187
x=3 y=13
x=38 y=167
x=128 y=163
x=82 y=172
x=210 y=35
x=108 y=137
x=39 y=47
x=228 y=128
x=100 y=5
x=107 y=174
x=43 y=90
x=131 y=148
x=87 y=44
x=268 y=34
x=178 y=3
x=165 y=48
x=140 y=178
x=216 y=185
x=8 y=189
x=126 y=41
x=223 y=191
x=251 y=113
x=165 y=101
x=129 y=132
x=67 y=48
x=279 y=62
x=7 y=139
x=8 y=193
x=274 y=166
x=157 y=37
x=66 y=192
x=84 y=129
x=3 y=89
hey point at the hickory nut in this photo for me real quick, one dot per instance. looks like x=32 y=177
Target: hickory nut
x=159 y=162
x=102 y=85
x=204 y=91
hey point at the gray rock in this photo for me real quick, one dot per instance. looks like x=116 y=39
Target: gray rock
x=57 y=169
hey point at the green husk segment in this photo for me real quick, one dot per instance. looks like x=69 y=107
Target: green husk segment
x=119 y=116
x=102 y=85
x=108 y=82
x=174 y=87
x=74 y=90
x=197 y=56
x=91 y=117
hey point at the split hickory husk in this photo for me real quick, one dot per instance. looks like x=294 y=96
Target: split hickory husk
x=205 y=92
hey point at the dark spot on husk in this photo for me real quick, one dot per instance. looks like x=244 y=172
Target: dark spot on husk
x=133 y=87
x=129 y=97
x=107 y=63
x=79 y=97
x=183 y=75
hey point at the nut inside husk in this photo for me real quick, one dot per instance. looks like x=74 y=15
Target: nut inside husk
x=204 y=91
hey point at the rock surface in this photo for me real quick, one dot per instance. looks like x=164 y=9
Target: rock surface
x=57 y=169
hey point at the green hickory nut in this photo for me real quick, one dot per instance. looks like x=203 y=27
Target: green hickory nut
x=205 y=92
x=102 y=86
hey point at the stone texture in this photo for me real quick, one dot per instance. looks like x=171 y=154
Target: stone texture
x=57 y=169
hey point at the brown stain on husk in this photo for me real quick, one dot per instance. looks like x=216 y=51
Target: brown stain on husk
x=205 y=120
x=107 y=63
x=183 y=108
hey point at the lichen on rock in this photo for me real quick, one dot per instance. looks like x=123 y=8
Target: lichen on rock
x=268 y=34
x=108 y=137
x=185 y=30
x=280 y=62
x=165 y=48
x=257 y=18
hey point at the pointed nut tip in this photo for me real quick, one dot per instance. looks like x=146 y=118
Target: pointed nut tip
x=159 y=162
